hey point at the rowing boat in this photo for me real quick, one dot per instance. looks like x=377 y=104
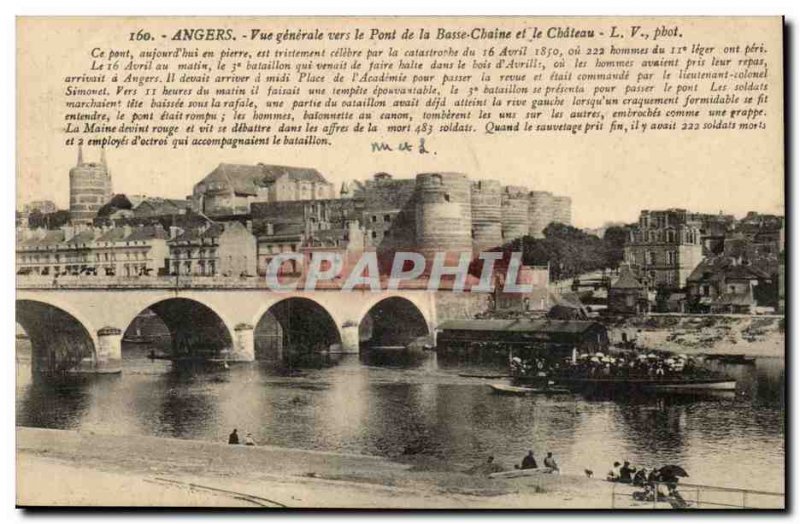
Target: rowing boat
x=503 y=389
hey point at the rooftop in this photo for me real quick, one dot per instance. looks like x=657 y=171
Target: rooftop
x=520 y=325
x=248 y=179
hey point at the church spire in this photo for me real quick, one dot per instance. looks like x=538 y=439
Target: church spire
x=80 y=155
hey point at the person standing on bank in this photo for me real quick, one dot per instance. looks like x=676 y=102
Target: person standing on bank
x=248 y=440
x=233 y=438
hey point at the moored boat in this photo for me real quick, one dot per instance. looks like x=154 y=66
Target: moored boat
x=677 y=384
x=483 y=375
x=602 y=373
x=732 y=358
x=503 y=389
x=138 y=339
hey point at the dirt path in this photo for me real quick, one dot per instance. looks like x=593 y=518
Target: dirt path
x=65 y=467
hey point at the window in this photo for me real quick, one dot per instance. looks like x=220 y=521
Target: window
x=649 y=258
x=672 y=258
x=387 y=218
x=629 y=302
x=706 y=290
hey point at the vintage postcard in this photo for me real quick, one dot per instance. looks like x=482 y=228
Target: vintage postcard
x=401 y=262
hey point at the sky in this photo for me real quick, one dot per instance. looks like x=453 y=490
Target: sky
x=610 y=177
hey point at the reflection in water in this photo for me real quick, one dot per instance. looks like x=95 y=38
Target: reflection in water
x=57 y=404
x=409 y=407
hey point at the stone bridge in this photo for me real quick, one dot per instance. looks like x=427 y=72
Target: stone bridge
x=89 y=319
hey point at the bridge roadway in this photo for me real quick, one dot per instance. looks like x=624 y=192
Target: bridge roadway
x=94 y=312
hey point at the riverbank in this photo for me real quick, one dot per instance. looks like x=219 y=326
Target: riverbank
x=56 y=467
x=753 y=336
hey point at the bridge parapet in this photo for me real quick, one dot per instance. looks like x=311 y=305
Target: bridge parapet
x=188 y=282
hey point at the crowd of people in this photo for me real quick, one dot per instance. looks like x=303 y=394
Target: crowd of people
x=648 y=365
x=601 y=365
x=651 y=481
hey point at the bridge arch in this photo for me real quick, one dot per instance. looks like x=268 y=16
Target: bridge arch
x=392 y=321
x=60 y=339
x=295 y=324
x=195 y=328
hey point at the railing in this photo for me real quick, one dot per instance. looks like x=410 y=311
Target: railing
x=693 y=496
x=185 y=282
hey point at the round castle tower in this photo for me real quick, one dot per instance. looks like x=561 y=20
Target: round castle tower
x=562 y=210
x=89 y=188
x=443 y=213
x=486 y=201
x=514 y=212
x=540 y=213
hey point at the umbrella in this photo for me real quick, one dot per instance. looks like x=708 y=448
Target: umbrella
x=584 y=355
x=673 y=471
x=652 y=355
x=670 y=361
x=642 y=357
x=599 y=354
x=684 y=357
x=595 y=359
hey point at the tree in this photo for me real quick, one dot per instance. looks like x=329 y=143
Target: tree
x=615 y=238
x=53 y=220
x=570 y=251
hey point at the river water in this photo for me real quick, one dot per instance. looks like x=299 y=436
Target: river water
x=416 y=409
